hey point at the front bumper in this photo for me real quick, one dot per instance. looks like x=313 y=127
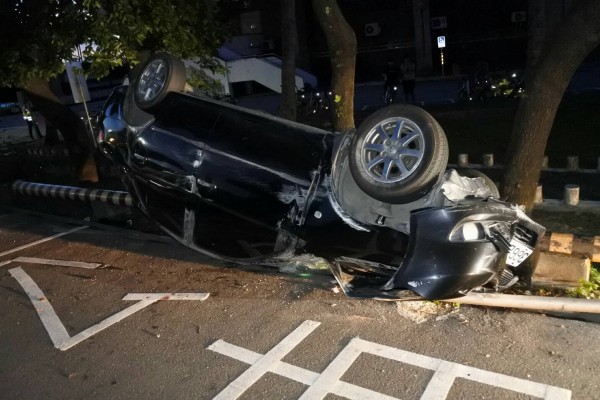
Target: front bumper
x=436 y=267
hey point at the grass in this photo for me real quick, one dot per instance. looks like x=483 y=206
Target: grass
x=588 y=289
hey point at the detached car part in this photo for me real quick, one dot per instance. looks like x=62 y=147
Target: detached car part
x=377 y=203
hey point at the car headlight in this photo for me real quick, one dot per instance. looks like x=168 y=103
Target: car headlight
x=470 y=231
x=497 y=232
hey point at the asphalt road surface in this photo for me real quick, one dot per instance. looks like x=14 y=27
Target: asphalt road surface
x=102 y=313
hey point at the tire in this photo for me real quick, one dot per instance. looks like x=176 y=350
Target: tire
x=398 y=167
x=489 y=183
x=161 y=75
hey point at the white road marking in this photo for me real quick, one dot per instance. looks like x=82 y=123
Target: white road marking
x=329 y=380
x=441 y=382
x=59 y=263
x=92 y=330
x=293 y=372
x=267 y=361
x=42 y=240
x=56 y=330
x=167 y=296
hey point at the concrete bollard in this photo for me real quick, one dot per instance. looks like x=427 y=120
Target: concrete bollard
x=572 y=163
x=545 y=162
x=539 y=198
x=571 y=195
x=463 y=160
x=488 y=160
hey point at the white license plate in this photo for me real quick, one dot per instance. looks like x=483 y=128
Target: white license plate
x=518 y=253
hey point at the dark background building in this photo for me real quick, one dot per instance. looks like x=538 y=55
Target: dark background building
x=479 y=34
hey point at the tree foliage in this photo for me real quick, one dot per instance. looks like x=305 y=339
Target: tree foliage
x=189 y=29
x=39 y=35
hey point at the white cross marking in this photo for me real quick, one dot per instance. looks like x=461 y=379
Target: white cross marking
x=319 y=385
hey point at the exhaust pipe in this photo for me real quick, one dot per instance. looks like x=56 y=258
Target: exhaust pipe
x=117 y=198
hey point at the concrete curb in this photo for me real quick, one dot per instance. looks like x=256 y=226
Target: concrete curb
x=569 y=244
x=561 y=270
x=565 y=260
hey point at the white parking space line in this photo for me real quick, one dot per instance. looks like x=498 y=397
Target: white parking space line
x=45 y=311
x=286 y=370
x=25 y=246
x=56 y=330
x=329 y=379
x=441 y=382
x=46 y=261
x=249 y=357
x=320 y=385
x=92 y=330
x=266 y=362
x=167 y=296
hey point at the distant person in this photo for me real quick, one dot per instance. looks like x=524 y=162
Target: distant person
x=408 y=68
x=31 y=124
x=391 y=78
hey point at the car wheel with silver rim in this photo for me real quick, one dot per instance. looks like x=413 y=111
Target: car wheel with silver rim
x=161 y=75
x=398 y=154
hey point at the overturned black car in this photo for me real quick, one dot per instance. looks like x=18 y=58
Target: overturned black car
x=377 y=203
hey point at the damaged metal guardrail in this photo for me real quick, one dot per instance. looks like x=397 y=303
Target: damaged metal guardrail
x=117 y=198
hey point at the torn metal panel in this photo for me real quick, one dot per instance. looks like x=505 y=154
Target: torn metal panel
x=456 y=187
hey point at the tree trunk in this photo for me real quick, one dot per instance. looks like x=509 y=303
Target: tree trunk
x=341 y=42
x=68 y=123
x=289 y=45
x=564 y=50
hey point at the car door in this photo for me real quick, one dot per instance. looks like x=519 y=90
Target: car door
x=258 y=173
x=165 y=158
